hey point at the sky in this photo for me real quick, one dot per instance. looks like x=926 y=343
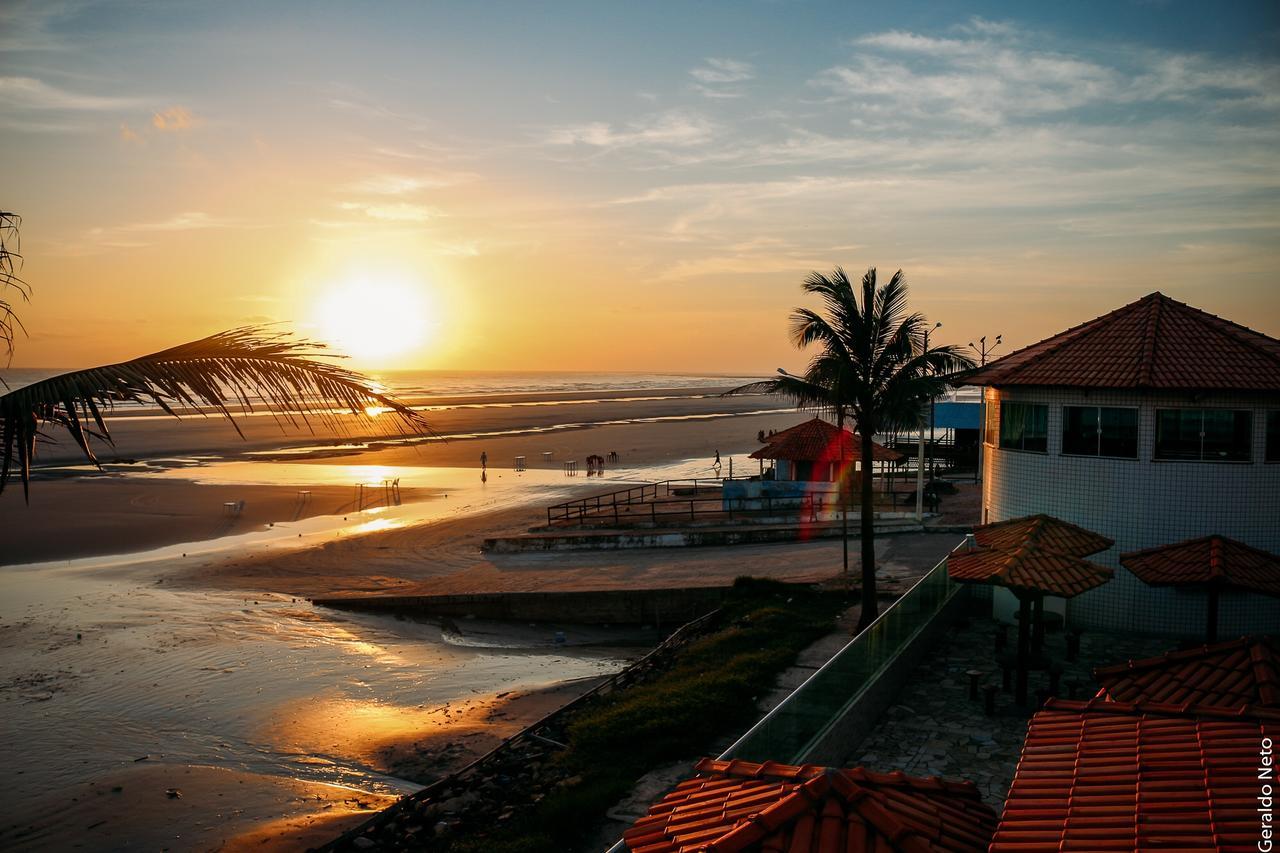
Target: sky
x=627 y=186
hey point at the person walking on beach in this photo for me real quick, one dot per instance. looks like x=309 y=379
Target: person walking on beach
x=484 y=460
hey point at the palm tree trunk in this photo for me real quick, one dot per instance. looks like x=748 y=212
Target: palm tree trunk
x=869 y=608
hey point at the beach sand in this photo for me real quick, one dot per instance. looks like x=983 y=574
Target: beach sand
x=127 y=513
x=171 y=505
x=210 y=808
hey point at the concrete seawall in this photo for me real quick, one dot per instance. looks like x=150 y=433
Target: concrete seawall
x=655 y=607
x=611 y=540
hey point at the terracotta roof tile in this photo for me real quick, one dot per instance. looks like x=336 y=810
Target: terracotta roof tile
x=1044 y=531
x=1156 y=342
x=1029 y=568
x=1208 y=560
x=743 y=806
x=1240 y=674
x=817 y=440
x=1102 y=776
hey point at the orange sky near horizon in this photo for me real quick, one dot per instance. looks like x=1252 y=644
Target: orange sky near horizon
x=623 y=206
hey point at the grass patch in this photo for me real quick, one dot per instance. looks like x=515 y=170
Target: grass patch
x=709 y=691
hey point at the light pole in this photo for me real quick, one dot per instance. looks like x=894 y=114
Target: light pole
x=933 y=463
x=982 y=351
x=920 y=452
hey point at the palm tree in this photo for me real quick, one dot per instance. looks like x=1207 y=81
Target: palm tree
x=246 y=369
x=10 y=261
x=871 y=366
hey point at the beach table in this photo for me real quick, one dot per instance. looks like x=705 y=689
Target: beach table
x=546 y=455
x=519 y=464
x=571 y=467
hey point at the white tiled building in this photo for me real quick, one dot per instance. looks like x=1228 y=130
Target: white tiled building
x=1153 y=424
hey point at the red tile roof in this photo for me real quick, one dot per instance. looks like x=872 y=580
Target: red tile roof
x=1044 y=531
x=817 y=440
x=1029 y=568
x=1156 y=342
x=1108 y=776
x=743 y=806
x=1208 y=560
x=1238 y=674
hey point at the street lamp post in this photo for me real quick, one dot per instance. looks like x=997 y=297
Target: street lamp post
x=933 y=449
x=920 y=452
x=982 y=351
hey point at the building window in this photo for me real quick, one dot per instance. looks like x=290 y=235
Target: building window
x=1024 y=426
x=1273 y=437
x=1222 y=435
x=1100 y=431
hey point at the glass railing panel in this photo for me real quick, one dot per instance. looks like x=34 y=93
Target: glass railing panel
x=786 y=733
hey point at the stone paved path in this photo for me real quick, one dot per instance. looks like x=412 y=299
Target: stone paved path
x=936 y=730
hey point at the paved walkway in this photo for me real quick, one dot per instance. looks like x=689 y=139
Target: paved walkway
x=936 y=730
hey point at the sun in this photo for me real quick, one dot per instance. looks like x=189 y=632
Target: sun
x=375 y=319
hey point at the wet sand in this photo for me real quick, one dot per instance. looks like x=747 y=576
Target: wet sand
x=161 y=807
x=145 y=506
x=201 y=655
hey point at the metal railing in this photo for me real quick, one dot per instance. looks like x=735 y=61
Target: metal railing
x=600 y=505
x=790 y=732
x=694 y=500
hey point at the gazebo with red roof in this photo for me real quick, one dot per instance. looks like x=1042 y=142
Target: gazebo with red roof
x=742 y=806
x=1213 y=563
x=817 y=451
x=1156 y=422
x=1031 y=557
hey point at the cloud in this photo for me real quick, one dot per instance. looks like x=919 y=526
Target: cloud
x=994 y=73
x=722 y=71
x=128 y=134
x=174 y=119
x=395 y=212
x=137 y=235
x=673 y=128
x=714 y=78
x=30 y=93
x=400 y=184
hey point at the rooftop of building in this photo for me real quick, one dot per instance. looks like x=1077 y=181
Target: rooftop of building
x=1101 y=775
x=1155 y=343
x=817 y=440
x=1242 y=673
x=744 y=806
x=1207 y=560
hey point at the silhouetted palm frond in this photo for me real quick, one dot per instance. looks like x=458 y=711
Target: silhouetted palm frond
x=10 y=263
x=246 y=369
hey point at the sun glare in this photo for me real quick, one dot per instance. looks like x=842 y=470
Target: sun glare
x=375 y=319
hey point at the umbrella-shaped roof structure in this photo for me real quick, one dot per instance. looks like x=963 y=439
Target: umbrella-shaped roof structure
x=1029 y=569
x=817 y=440
x=1209 y=560
x=1042 y=531
x=743 y=806
x=1240 y=674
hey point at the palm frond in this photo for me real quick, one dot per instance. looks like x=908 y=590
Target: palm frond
x=246 y=369
x=10 y=263
x=805 y=394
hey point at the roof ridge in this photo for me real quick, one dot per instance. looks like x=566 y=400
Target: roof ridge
x=1107 y=706
x=1070 y=335
x=1156 y=549
x=1137 y=664
x=1237 y=331
x=1147 y=365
